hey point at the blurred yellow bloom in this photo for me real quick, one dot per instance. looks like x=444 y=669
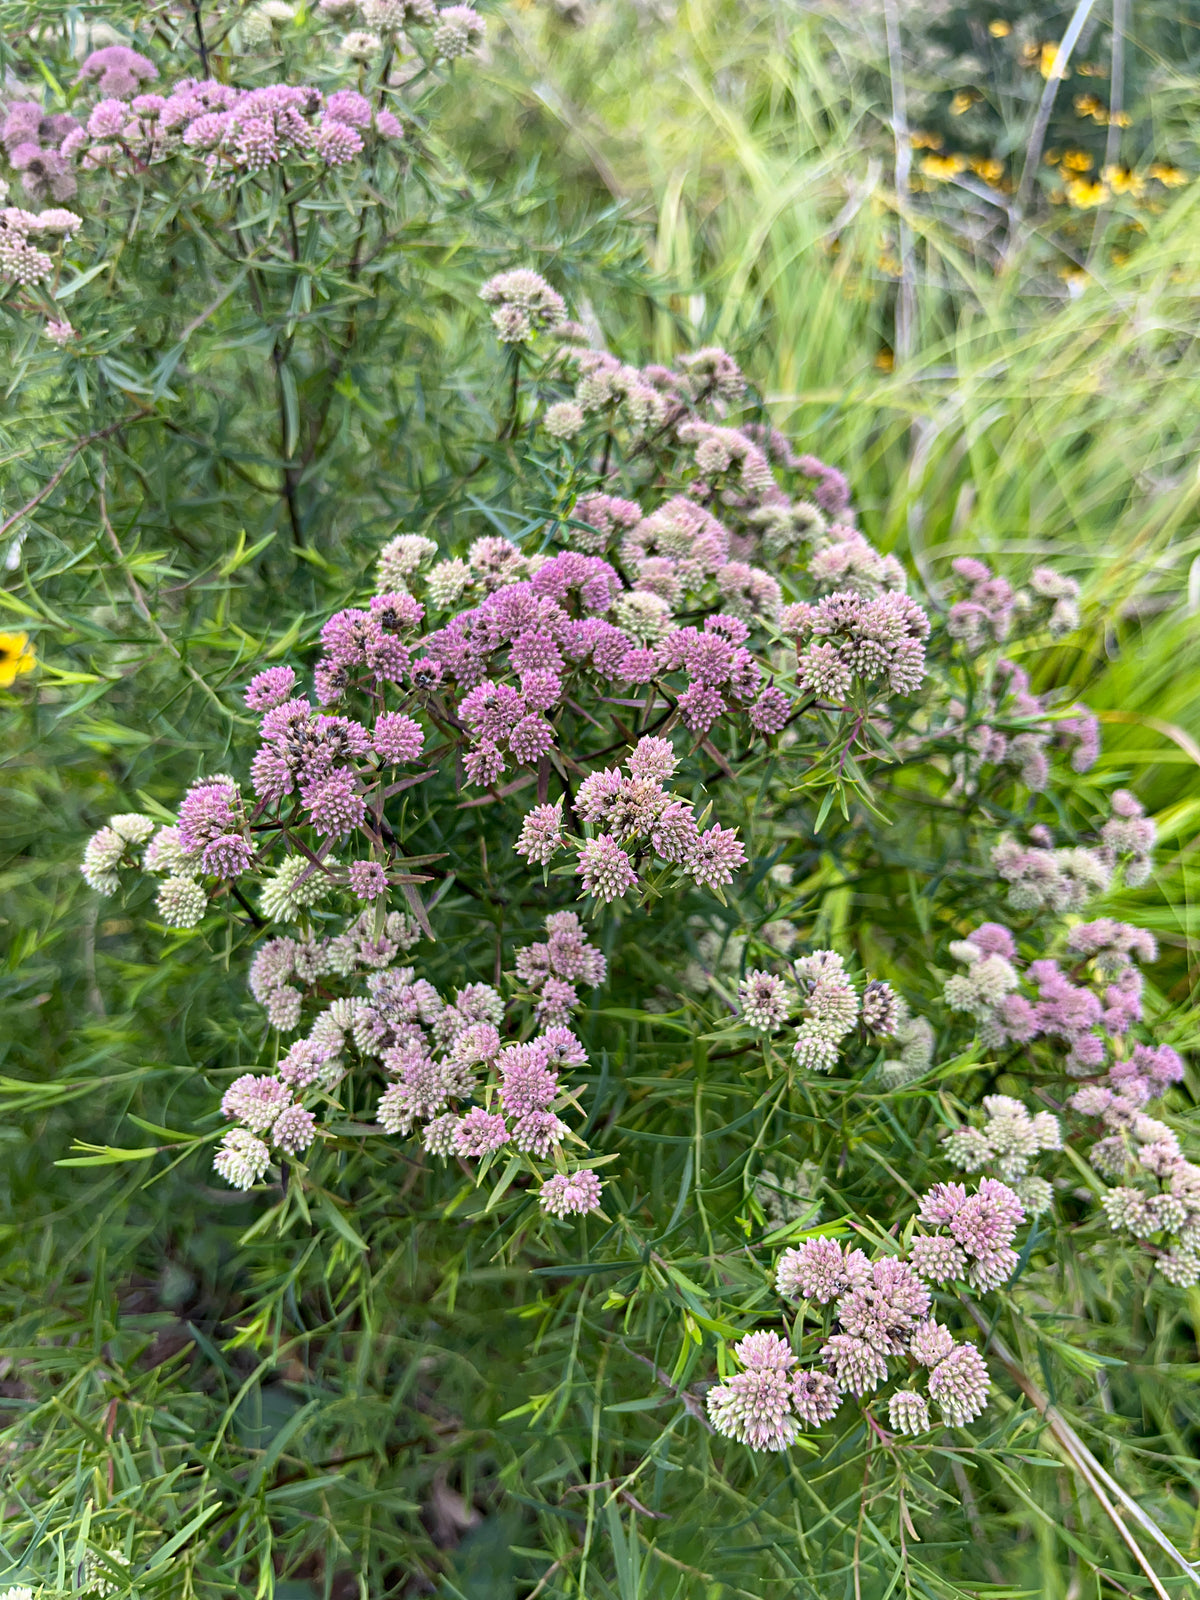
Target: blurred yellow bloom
x=988 y=168
x=963 y=101
x=1121 y=119
x=1077 y=160
x=1091 y=69
x=1074 y=277
x=942 y=166
x=1048 y=64
x=1120 y=257
x=1123 y=181
x=885 y=360
x=925 y=141
x=1171 y=177
x=999 y=29
x=889 y=264
x=1090 y=105
x=1085 y=194
x=16 y=658
x=1052 y=157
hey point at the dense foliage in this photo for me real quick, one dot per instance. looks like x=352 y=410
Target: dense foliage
x=624 y=1025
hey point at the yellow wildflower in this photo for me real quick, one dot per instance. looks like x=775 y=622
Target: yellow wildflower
x=1171 y=177
x=925 y=141
x=1085 y=194
x=1090 y=105
x=1052 y=157
x=999 y=29
x=17 y=657
x=1077 y=160
x=1121 y=180
x=1048 y=63
x=1120 y=119
x=889 y=264
x=963 y=101
x=942 y=166
x=884 y=359
x=1092 y=69
x=988 y=168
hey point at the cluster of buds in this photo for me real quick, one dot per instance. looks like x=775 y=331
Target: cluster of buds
x=553 y=969
x=878 y=1317
x=828 y=998
x=1157 y=1195
x=1012 y=728
x=384 y=26
x=636 y=835
x=1085 y=1009
x=1009 y=1140
x=23 y=261
x=475 y=1093
x=987 y=612
x=855 y=642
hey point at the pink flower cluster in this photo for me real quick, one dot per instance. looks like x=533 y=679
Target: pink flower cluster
x=880 y=1315
x=1157 y=1200
x=986 y=614
x=1015 y=728
x=22 y=260
x=234 y=131
x=524 y=304
x=32 y=137
x=1084 y=1015
x=829 y=998
x=683 y=548
x=853 y=639
x=635 y=822
x=975 y=1234
x=1091 y=1007
x=553 y=969
x=452 y=1073
x=767 y=1404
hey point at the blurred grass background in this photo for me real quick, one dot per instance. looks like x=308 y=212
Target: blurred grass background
x=1003 y=374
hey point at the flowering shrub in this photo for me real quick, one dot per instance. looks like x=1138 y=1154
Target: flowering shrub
x=667 y=633
x=590 y=894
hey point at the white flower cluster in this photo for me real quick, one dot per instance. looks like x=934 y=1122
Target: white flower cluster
x=1008 y=1142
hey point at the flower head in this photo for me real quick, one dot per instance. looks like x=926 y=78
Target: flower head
x=17 y=656
x=571 y=1196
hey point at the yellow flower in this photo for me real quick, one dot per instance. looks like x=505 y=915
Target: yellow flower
x=1085 y=194
x=17 y=657
x=1077 y=160
x=1122 y=181
x=925 y=141
x=1120 y=119
x=1171 y=177
x=942 y=166
x=1048 y=64
x=1090 y=105
x=988 y=168
x=999 y=29
x=884 y=359
x=963 y=101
